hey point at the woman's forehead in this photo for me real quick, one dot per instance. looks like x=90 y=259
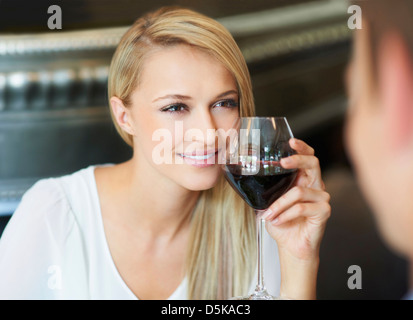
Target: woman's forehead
x=181 y=68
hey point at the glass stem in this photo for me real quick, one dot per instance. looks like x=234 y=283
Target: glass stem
x=260 y=283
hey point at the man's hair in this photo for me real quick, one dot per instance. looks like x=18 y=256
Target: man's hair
x=383 y=16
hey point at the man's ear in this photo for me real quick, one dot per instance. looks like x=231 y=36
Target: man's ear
x=395 y=90
x=121 y=114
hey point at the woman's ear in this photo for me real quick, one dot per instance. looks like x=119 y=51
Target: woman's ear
x=121 y=114
x=395 y=80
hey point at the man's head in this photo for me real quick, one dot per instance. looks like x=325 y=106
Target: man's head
x=379 y=129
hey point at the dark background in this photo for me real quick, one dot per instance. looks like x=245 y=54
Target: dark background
x=31 y=16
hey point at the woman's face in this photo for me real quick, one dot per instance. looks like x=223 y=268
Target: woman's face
x=183 y=97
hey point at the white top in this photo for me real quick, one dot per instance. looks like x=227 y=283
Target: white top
x=54 y=246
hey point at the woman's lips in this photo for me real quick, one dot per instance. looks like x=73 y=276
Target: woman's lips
x=200 y=159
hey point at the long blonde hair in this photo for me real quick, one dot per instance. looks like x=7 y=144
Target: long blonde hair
x=220 y=260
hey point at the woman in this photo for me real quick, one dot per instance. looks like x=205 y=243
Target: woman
x=154 y=230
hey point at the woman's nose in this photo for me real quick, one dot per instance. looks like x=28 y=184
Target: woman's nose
x=206 y=124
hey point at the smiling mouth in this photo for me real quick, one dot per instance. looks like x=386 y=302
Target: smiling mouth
x=204 y=159
x=198 y=157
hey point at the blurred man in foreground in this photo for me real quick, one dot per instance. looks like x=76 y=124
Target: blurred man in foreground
x=379 y=132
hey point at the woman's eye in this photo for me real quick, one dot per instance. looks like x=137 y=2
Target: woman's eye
x=227 y=104
x=175 y=108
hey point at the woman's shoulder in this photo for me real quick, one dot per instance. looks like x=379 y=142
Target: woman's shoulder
x=55 y=203
x=58 y=192
x=43 y=232
x=44 y=199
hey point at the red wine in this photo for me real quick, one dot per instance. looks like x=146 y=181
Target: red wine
x=262 y=189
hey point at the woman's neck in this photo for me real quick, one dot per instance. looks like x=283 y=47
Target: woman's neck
x=156 y=204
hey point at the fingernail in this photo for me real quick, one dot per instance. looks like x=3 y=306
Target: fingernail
x=286 y=160
x=275 y=221
x=266 y=214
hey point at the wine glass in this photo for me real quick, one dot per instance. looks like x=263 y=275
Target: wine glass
x=252 y=167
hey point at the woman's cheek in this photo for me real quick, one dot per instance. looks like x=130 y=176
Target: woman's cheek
x=226 y=118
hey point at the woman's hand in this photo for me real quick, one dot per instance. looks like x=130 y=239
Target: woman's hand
x=297 y=221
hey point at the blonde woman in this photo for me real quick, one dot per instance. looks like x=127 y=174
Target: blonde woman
x=149 y=230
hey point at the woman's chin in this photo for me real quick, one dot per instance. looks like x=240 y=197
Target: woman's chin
x=202 y=180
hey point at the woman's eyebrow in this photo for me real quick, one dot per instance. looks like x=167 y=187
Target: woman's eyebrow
x=226 y=93
x=182 y=97
x=173 y=96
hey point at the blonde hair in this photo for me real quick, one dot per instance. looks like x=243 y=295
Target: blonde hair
x=221 y=254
